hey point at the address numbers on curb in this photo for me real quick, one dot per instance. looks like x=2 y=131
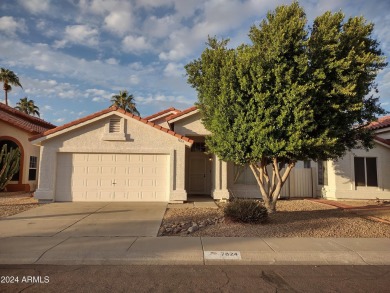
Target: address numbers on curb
x=222 y=255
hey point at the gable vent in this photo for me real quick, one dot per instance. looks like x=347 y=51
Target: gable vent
x=115 y=125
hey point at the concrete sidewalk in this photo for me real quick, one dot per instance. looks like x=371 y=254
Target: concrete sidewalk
x=194 y=251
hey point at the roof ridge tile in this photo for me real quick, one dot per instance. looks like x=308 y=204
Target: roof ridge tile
x=105 y=111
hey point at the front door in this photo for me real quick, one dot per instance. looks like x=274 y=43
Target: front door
x=199 y=174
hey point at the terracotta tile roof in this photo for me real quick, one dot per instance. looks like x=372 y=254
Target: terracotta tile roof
x=166 y=111
x=186 y=111
x=382 y=122
x=23 y=121
x=105 y=111
x=382 y=140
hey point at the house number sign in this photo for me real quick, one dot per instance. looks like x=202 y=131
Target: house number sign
x=222 y=255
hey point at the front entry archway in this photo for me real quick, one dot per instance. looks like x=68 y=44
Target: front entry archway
x=13 y=143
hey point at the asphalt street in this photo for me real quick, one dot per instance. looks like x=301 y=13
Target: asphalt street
x=52 y=278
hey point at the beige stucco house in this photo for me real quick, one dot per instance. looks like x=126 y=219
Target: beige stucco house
x=15 y=130
x=116 y=156
x=359 y=174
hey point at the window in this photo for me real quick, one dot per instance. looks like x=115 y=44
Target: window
x=115 y=124
x=322 y=172
x=198 y=147
x=32 y=172
x=365 y=171
x=244 y=175
x=306 y=164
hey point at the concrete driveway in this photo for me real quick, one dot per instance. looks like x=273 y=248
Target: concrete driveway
x=86 y=219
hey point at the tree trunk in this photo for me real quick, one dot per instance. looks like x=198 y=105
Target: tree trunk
x=6 y=95
x=270 y=205
x=270 y=186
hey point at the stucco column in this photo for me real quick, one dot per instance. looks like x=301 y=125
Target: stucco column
x=46 y=177
x=178 y=192
x=220 y=191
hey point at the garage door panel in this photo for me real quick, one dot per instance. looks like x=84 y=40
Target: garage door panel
x=93 y=170
x=77 y=182
x=148 y=159
x=121 y=171
x=147 y=183
x=90 y=177
x=106 y=170
x=105 y=183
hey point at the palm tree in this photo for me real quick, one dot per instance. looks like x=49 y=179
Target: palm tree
x=8 y=77
x=125 y=101
x=28 y=107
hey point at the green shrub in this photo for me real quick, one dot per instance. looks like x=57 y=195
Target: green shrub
x=246 y=210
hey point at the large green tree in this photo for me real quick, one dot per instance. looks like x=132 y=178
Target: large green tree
x=28 y=107
x=292 y=94
x=8 y=77
x=125 y=101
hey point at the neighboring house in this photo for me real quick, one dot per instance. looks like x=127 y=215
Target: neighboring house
x=160 y=117
x=116 y=156
x=15 y=130
x=359 y=174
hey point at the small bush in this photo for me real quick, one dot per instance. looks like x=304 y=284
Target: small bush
x=246 y=210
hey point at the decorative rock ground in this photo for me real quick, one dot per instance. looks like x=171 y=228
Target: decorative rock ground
x=187 y=227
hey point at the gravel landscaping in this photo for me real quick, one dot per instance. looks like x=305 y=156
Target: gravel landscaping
x=12 y=203
x=294 y=218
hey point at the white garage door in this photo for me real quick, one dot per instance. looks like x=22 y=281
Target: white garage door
x=112 y=177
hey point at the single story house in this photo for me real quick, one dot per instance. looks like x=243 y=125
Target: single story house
x=360 y=174
x=116 y=156
x=15 y=130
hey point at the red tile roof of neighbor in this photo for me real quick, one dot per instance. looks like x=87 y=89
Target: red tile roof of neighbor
x=23 y=121
x=162 y=113
x=186 y=111
x=382 y=122
x=382 y=140
x=105 y=111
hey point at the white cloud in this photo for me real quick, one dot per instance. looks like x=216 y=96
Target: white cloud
x=119 y=22
x=59 y=120
x=115 y=15
x=10 y=26
x=47 y=28
x=97 y=95
x=112 y=61
x=179 y=51
x=174 y=69
x=163 y=98
x=160 y=27
x=135 y=44
x=79 y=34
x=100 y=6
x=96 y=72
x=36 y=6
x=134 y=79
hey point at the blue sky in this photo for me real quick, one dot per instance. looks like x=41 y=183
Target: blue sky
x=72 y=55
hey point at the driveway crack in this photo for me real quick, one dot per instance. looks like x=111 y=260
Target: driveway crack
x=132 y=244
x=81 y=219
x=201 y=242
x=50 y=249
